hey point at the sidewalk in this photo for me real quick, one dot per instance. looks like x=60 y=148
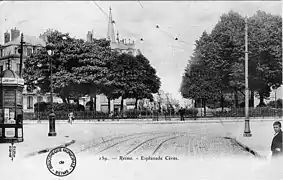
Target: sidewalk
x=160 y=121
x=36 y=139
x=261 y=138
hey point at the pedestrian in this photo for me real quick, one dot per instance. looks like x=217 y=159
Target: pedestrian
x=277 y=145
x=182 y=112
x=71 y=117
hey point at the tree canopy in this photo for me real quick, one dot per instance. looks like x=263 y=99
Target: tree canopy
x=88 y=68
x=78 y=67
x=217 y=64
x=132 y=77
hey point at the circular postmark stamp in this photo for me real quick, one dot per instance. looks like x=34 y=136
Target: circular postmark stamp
x=61 y=161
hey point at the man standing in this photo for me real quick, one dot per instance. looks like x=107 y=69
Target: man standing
x=277 y=145
x=182 y=112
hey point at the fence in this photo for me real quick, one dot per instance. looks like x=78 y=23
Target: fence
x=155 y=115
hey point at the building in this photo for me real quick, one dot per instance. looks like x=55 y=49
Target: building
x=9 y=55
x=122 y=46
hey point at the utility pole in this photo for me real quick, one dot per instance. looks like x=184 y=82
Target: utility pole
x=247 y=131
x=21 y=54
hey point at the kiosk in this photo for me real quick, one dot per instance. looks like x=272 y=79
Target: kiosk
x=11 y=107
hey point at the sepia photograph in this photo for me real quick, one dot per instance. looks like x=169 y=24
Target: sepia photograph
x=141 y=90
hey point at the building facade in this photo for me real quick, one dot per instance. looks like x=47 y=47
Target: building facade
x=10 y=56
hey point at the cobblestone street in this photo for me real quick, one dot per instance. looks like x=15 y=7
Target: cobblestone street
x=200 y=149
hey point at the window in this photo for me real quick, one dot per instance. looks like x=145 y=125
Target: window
x=1 y=69
x=29 y=51
x=16 y=51
x=48 y=98
x=18 y=68
x=30 y=102
x=39 y=99
x=7 y=65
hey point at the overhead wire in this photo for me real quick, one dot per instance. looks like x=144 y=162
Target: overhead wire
x=101 y=9
x=165 y=32
x=140 y=3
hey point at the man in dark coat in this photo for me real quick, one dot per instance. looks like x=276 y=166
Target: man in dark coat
x=277 y=145
x=182 y=112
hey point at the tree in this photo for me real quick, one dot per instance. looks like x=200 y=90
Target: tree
x=132 y=77
x=229 y=35
x=223 y=52
x=79 y=67
x=265 y=42
x=201 y=80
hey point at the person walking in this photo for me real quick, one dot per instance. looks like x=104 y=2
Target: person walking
x=71 y=117
x=277 y=145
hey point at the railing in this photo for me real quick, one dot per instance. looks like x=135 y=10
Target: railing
x=154 y=115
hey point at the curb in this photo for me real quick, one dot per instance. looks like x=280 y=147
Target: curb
x=146 y=121
x=247 y=148
x=49 y=149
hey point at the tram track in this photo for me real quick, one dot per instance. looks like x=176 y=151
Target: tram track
x=164 y=141
x=120 y=142
x=137 y=135
x=142 y=143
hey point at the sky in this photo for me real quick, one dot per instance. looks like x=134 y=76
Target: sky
x=184 y=19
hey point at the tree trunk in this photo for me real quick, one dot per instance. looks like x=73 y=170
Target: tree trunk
x=64 y=100
x=68 y=100
x=252 y=99
x=109 y=104
x=204 y=107
x=94 y=104
x=136 y=104
x=91 y=103
x=77 y=100
x=236 y=99
x=122 y=104
x=222 y=102
x=261 y=100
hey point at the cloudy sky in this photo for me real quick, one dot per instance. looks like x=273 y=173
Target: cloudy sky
x=185 y=20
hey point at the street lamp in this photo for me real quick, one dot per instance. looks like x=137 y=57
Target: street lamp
x=37 y=92
x=247 y=131
x=52 y=132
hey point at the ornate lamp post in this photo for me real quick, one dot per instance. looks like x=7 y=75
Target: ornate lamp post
x=52 y=132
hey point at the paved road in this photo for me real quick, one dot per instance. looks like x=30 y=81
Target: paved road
x=201 y=150
x=194 y=141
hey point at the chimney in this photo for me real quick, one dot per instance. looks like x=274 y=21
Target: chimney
x=6 y=37
x=15 y=33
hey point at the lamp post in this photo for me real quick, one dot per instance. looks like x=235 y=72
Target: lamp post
x=37 y=92
x=52 y=131
x=247 y=131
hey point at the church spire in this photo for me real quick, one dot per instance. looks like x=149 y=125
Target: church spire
x=110 y=32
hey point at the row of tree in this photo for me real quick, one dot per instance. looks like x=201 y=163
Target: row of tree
x=89 y=68
x=216 y=67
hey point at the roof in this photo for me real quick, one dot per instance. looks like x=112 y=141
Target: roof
x=29 y=40
x=10 y=56
x=9 y=74
x=122 y=46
